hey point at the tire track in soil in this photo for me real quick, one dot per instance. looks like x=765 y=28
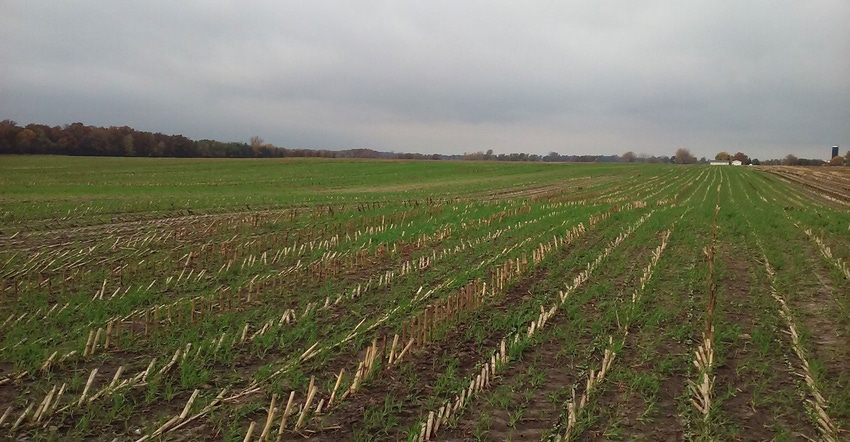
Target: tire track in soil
x=619 y=411
x=805 y=282
x=737 y=308
x=540 y=411
x=801 y=281
x=627 y=411
x=548 y=357
x=812 y=299
x=643 y=353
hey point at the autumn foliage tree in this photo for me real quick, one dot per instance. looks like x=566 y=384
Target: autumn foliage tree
x=124 y=141
x=80 y=139
x=24 y=138
x=837 y=160
x=684 y=156
x=743 y=158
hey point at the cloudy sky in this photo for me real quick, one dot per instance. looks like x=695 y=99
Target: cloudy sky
x=576 y=77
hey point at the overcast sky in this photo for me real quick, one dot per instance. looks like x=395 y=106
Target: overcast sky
x=576 y=77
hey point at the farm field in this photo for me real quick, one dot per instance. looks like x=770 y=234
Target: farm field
x=149 y=299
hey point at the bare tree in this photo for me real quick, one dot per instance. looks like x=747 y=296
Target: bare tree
x=256 y=145
x=628 y=157
x=790 y=160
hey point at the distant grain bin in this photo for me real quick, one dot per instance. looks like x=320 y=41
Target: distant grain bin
x=834 y=152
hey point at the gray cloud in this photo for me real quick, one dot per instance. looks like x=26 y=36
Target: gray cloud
x=574 y=77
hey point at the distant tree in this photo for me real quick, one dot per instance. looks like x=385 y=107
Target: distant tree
x=790 y=160
x=142 y=143
x=740 y=156
x=42 y=143
x=722 y=156
x=811 y=162
x=181 y=146
x=628 y=157
x=24 y=138
x=256 y=144
x=683 y=156
x=99 y=141
x=127 y=143
x=8 y=132
x=837 y=160
x=755 y=162
x=847 y=158
x=158 y=149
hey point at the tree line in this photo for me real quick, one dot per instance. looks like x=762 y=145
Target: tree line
x=83 y=140
x=124 y=141
x=789 y=160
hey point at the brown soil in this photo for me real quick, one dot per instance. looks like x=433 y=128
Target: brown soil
x=627 y=411
x=426 y=363
x=735 y=384
x=541 y=412
x=544 y=404
x=621 y=411
x=826 y=333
